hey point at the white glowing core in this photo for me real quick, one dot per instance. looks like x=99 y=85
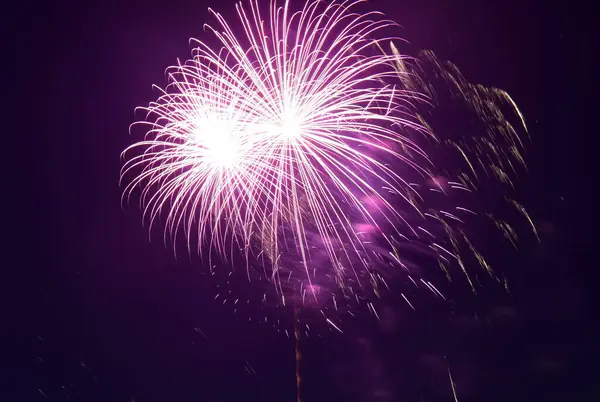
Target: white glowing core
x=291 y=126
x=219 y=142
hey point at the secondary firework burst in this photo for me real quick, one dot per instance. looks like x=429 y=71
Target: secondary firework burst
x=477 y=140
x=290 y=127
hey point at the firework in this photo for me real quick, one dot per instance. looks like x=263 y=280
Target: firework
x=301 y=143
x=290 y=127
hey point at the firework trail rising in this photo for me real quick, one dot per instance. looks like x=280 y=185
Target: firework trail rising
x=290 y=125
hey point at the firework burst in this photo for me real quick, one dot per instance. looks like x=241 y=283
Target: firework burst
x=291 y=125
x=302 y=144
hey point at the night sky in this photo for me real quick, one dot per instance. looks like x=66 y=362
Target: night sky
x=116 y=318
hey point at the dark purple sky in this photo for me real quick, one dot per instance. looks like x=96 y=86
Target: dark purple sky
x=114 y=316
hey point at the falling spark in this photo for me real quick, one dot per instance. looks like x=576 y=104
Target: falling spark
x=333 y=325
x=409 y=303
x=453 y=385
